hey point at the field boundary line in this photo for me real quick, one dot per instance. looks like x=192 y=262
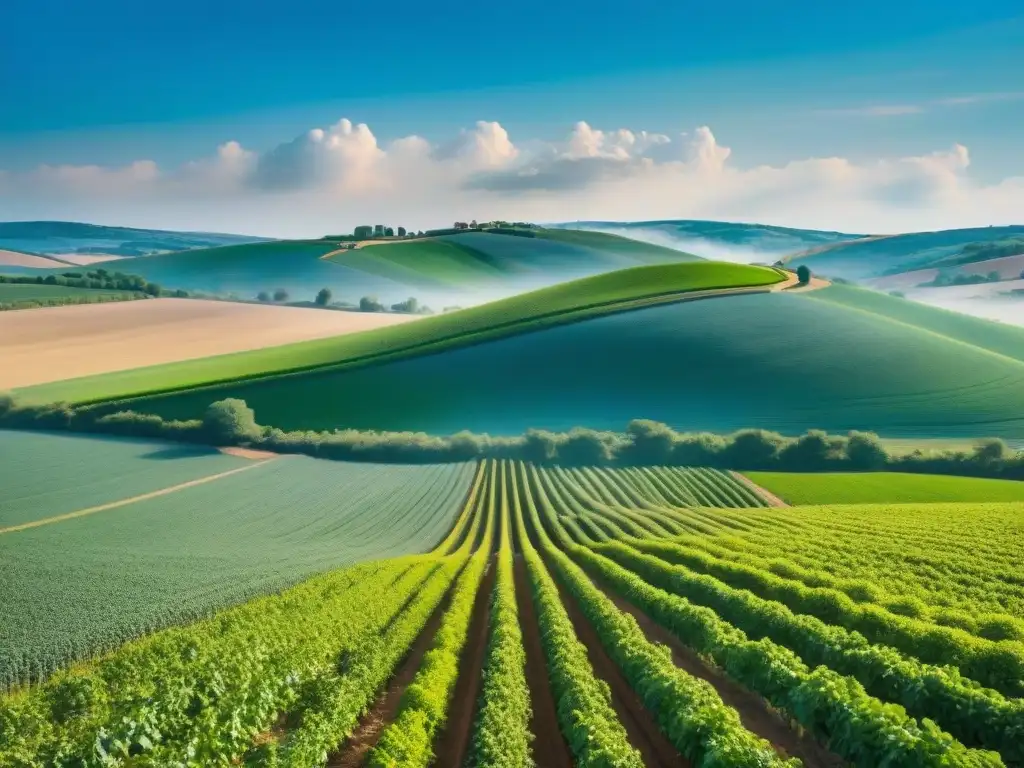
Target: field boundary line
x=766 y=495
x=132 y=499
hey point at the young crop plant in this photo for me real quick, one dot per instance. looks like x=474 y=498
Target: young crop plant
x=688 y=710
x=835 y=708
x=424 y=706
x=592 y=730
x=501 y=733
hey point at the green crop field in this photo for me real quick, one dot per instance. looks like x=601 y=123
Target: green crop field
x=47 y=475
x=778 y=361
x=76 y=586
x=588 y=616
x=883 y=487
x=16 y=293
x=559 y=304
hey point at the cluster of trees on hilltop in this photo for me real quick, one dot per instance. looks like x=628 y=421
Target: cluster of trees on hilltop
x=99 y=279
x=644 y=443
x=324 y=298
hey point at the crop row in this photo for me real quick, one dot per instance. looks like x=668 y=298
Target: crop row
x=501 y=733
x=977 y=716
x=424 y=706
x=867 y=588
x=688 y=710
x=999 y=665
x=591 y=728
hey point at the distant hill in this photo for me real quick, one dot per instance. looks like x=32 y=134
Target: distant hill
x=733 y=241
x=68 y=237
x=460 y=269
x=891 y=255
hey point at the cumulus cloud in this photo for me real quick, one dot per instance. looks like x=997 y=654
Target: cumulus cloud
x=332 y=178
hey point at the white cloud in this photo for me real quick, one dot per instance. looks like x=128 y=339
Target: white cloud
x=332 y=179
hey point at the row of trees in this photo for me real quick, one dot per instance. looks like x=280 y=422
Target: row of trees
x=644 y=443
x=324 y=298
x=99 y=279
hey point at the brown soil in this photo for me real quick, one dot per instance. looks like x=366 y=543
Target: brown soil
x=15 y=259
x=56 y=343
x=764 y=493
x=643 y=731
x=453 y=743
x=248 y=453
x=549 y=747
x=353 y=753
x=755 y=713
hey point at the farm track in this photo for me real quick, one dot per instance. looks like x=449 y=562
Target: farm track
x=756 y=714
x=550 y=749
x=453 y=742
x=641 y=728
x=132 y=500
x=354 y=752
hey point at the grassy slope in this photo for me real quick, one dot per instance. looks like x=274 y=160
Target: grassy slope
x=1003 y=339
x=775 y=360
x=883 y=487
x=549 y=306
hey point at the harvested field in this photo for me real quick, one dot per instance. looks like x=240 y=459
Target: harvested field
x=16 y=259
x=87 y=259
x=57 y=343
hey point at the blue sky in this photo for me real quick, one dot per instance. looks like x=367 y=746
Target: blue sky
x=111 y=82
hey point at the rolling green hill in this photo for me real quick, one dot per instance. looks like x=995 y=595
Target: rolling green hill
x=462 y=269
x=777 y=361
x=559 y=304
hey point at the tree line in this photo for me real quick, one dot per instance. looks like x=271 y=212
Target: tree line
x=99 y=279
x=231 y=422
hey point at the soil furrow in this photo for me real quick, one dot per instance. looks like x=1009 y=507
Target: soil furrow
x=549 y=747
x=755 y=713
x=643 y=731
x=453 y=743
x=353 y=753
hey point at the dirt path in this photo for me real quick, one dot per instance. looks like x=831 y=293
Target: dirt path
x=755 y=713
x=453 y=743
x=549 y=747
x=641 y=728
x=132 y=500
x=353 y=753
x=248 y=453
x=764 y=493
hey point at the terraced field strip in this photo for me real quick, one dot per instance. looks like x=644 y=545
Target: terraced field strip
x=133 y=500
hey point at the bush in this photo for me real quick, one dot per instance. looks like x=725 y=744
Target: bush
x=864 y=451
x=6 y=403
x=323 y=298
x=370 y=304
x=280 y=295
x=263 y=296
x=231 y=421
x=803 y=274
x=753 y=449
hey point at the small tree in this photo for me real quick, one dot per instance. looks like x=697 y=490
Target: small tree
x=280 y=295
x=370 y=304
x=401 y=232
x=231 y=421
x=803 y=274
x=389 y=232
x=323 y=298
x=262 y=296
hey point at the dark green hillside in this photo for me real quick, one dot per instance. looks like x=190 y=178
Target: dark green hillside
x=558 y=304
x=778 y=361
x=1003 y=339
